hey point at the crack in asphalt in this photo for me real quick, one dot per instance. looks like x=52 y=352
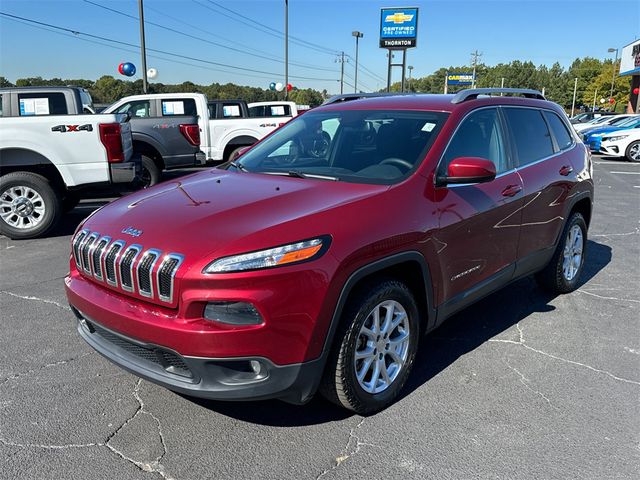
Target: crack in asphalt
x=525 y=381
x=521 y=342
x=580 y=290
x=149 y=467
x=42 y=367
x=43 y=300
x=348 y=451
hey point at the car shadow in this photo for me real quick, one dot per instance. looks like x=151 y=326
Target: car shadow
x=459 y=335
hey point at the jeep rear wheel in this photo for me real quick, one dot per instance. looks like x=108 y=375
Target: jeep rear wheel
x=562 y=274
x=29 y=206
x=374 y=349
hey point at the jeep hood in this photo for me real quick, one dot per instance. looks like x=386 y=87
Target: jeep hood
x=222 y=212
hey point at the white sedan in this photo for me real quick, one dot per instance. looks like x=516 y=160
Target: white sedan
x=603 y=121
x=622 y=143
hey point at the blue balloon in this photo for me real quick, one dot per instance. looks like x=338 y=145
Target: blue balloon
x=272 y=86
x=129 y=69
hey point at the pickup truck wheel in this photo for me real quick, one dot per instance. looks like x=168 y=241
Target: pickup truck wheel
x=150 y=174
x=562 y=274
x=374 y=349
x=29 y=206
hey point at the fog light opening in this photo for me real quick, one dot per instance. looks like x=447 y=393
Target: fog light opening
x=232 y=313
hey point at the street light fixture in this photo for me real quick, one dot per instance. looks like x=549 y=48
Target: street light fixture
x=613 y=74
x=358 y=36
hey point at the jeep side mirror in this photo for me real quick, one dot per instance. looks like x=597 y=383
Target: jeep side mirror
x=469 y=170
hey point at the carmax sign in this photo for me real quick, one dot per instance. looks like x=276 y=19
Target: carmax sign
x=398 y=27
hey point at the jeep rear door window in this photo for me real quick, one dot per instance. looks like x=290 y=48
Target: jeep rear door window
x=359 y=146
x=53 y=103
x=530 y=134
x=137 y=108
x=559 y=129
x=479 y=135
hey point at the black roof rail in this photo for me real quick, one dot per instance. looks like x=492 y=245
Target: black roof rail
x=473 y=93
x=346 y=97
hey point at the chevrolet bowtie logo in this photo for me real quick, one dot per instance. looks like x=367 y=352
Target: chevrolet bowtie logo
x=398 y=17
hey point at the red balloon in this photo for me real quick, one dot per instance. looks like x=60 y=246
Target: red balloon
x=636 y=90
x=612 y=101
x=289 y=87
x=120 y=69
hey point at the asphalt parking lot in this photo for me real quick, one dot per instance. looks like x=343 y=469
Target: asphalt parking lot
x=522 y=385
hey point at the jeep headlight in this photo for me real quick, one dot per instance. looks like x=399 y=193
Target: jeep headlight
x=615 y=139
x=272 y=257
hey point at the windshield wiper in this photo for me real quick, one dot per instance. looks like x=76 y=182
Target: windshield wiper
x=238 y=166
x=299 y=174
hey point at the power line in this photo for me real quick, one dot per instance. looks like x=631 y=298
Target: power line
x=241 y=18
x=164 y=27
x=371 y=74
x=119 y=42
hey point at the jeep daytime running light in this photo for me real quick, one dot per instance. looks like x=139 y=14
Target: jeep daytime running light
x=272 y=257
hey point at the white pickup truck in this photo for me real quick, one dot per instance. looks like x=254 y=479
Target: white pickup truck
x=48 y=156
x=226 y=126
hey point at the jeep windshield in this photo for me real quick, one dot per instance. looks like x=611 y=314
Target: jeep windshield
x=359 y=146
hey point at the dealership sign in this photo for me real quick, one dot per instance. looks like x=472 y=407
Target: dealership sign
x=460 y=79
x=398 y=27
x=630 y=59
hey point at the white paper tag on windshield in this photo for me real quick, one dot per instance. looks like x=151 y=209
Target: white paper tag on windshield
x=173 y=108
x=231 y=111
x=277 y=110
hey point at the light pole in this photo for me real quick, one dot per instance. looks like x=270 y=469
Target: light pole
x=613 y=74
x=143 y=51
x=286 y=48
x=410 y=67
x=358 y=36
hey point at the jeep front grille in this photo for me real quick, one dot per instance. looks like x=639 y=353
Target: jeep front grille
x=147 y=272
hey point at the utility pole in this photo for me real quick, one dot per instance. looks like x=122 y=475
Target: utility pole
x=286 y=48
x=341 y=60
x=595 y=95
x=613 y=74
x=143 y=50
x=575 y=90
x=474 y=61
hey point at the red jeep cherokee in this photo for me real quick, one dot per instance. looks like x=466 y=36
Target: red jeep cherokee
x=318 y=258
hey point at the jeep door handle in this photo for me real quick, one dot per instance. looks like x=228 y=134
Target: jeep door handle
x=566 y=170
x=511 y=191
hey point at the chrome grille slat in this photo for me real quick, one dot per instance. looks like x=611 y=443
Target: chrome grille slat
x=97 y=253
x=144 y=272
x=166 y=276
x=76 y=246
x=128 y=267
x=127 y=260
x=110 y=262
x=84 y=251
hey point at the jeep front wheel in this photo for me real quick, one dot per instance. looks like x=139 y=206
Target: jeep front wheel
x=374 y=350
x=29 y=206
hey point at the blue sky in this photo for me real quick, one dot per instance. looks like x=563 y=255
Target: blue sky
x=448 y=31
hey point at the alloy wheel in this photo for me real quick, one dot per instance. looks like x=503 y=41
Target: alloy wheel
x=382 y=347
x=572 y=259
x=21 y=207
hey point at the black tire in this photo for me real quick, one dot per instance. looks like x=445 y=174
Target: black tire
x=339 y=383
x=632 y=153
x=552 y=278
x=235 y=152
x=151 y=173
x=49 y=200
x=70 y=201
